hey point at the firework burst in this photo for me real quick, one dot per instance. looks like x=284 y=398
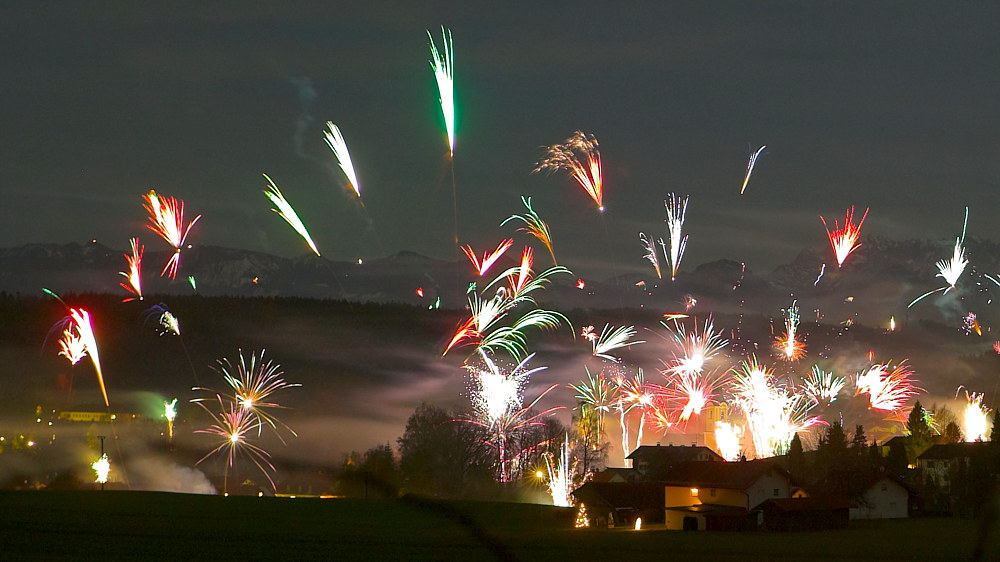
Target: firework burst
x=235 y=425
x=489 y=258
x=285 y=211
x=335 y=140
x=567 y=156
x=167 y=323
x=788 y=346
x=950 y=269
x=166 y=217
x=496 y=393
x=976 y=419
x=78 y=324
x=822 y=387
x=844 y=240
x=252 y=385
x=597 y=395
x=609 y=340
x=888 y=387
x=651 y=254
x=72 y=346
x=102 y=469
x=134 y=279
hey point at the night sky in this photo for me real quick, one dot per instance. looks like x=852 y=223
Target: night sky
x=891 y=106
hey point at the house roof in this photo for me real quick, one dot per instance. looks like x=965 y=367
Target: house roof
x=611 y=473
x=954 y=450
x=790 y=505
x=727 y=475
x=637 y=495
x=673 y=454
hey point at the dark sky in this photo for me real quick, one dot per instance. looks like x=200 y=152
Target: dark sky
x=892 y=106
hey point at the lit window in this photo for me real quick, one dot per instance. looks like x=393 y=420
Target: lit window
x=694 y=492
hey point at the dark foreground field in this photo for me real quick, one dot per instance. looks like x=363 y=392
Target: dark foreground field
x=148 y=525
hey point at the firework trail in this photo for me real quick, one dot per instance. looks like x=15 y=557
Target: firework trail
x=285 y=211
x=676 y=210
x=234 y=424
x=651 y=255
x=632 y=394
x=822 y=387
x=750 y=165
x=134 y=263
x=788 y=346
x=950 y=269
x=335 y=140
x=535 y=226
x=166 y=217
x=193 y=283
x=822 y=270
x=609 y=340
x=252 y=385
x=78 y=321
x=844 y=240
x=489 y=258
x=772 y=412
x=566 y=156
x=560 y=480
x=443 y=64
x=170 y=414
x=888 y=387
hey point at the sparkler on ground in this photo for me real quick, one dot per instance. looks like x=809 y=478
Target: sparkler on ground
x=166 y=217
x=170 y=414
x=676 y=210
x=750 y=165
x=976 y=419
x=787 y=345
x=950 y=269
x=335 y=140
x=535 y=226
x=822 y=387
x=727 y=440
x=609 y=340
x=133 y=277
x=234 y=424
x=443 y=64
x=567 y=157
x=489 y=258
x=844 y=240
x=102 y=468
x=651 y=255
x=888 y=387
x=285 y=211
x=560 y=479
x=773 y=413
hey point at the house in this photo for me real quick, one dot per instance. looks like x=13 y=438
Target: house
x=619 y=503
x=939 y=463
x=654 y=462
x=805 y=513
x=613 y=474
x=885 y=497
x=707 y=495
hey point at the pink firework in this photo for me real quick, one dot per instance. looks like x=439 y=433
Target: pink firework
x=889 y=387
x=587 y=173
x=80 y=320
x=166 y=217
x=845 y=240
x=235 y=424
x=489 y=258
x=134 y=262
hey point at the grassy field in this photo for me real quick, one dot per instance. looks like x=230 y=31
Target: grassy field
x=150 y=525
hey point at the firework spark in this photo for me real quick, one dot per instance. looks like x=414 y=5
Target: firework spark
x=566 y=156
x=72 y=346
x=888 y=387
x=535 y=226
x=166 y=217
x=443 y=64
x=134 y=263
x=489 y=258
x=80 y=320
x=651 y=254
x=285 y=211
x=676 y=210
x=951 y=269
x=750 y=165
x=844 y=240
x=170 y=414
x=335 y=140
x=560 y=481
x=496 y=393
x=166 y=321
x=253 y=384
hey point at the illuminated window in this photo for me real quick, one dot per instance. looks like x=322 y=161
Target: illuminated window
x=694 y=492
